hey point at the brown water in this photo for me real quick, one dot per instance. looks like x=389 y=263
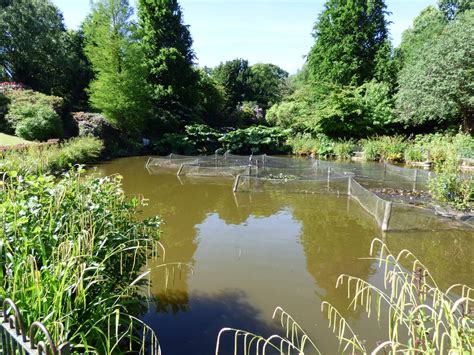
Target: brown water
x=250 y=252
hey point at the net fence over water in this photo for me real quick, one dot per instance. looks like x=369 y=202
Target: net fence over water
x=262 y=173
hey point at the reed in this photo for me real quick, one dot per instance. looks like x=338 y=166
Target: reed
x=72 y=255
x=422 y=318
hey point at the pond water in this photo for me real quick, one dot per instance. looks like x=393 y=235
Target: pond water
x=251 y=252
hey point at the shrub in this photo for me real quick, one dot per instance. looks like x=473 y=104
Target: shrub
x=344 y=150
x=371 y=150
x=77 y=151
x=22 y=97
x=257 y=139
x=414 y=153
x=203 y=138
x=392 y=148
x=450 y=186
x=35 y=122
x=384 y=148
x=174 y=143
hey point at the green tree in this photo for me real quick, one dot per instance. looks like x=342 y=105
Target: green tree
x=348 y=36
x=33 y=45
x=451 y=8
x=426 y=26
x=234 y=76
x=436 y=88
x=119 y=88
x=169 y=57
x=269 y=84
x=212 y=101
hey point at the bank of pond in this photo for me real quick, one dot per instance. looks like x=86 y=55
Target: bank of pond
x=88 y=256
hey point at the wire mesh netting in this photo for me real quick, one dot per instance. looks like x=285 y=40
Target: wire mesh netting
x=374 y=205
x=246 y=183
x=262 y=173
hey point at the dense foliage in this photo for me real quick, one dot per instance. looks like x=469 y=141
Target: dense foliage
x=36 y=50
x=32 y=115
x=48 y=158
x=169 y=59
x=118 y=89
x=349 y=35
x=436 y=86
x=72 y=254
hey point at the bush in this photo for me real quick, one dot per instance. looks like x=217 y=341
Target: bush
x=371 y=150
x=344 y=150
x=77 y=151
x=203 y=138
x=35 y=122
x=257 y=139
x=174 y=143
x=414 y=153
x=452 y=187
x=384 y=148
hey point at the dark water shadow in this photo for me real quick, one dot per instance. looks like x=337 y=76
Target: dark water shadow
x=192 y=325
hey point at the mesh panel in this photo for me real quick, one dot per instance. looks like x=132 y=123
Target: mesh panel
x=407 y=217
x=199 y=170
x=416 y=175
x=254 y=184
x=373 y=204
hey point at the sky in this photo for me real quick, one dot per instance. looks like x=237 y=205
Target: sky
x=262 y=31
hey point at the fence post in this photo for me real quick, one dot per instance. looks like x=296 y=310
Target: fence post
x=386 y=217
x=180 y=169
x=349 y=187
x=415 y=177
x=236 y=183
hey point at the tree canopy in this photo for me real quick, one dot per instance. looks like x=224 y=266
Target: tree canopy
x=169 y=58
x=119 y=89
x=348 y=36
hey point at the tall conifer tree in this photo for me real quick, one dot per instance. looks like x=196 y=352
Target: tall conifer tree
x=349 y=34
x=169 y=57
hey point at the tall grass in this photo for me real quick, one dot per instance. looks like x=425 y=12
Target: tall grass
x=72 y=254
x=51 y=158
x=422 y=318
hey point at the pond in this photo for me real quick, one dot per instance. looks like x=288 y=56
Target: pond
x=251 y=252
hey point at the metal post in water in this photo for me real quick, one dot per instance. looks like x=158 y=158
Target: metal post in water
x=236 y=183
x=180 y=169
x=386 y=217
x=349 y=187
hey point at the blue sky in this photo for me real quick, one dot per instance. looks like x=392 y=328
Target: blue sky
x=268 y=31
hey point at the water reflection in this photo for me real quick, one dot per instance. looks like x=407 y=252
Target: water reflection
x=249 y=253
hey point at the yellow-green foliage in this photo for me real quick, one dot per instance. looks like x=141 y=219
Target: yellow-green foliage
x=46 y=158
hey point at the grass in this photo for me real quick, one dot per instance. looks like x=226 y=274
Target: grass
x=8 y=140
x=51 y=158
x=72 y=255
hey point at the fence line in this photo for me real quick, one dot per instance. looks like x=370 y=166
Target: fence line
x=309 y=176
x=15 y=340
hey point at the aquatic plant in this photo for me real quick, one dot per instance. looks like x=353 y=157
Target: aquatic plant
x=422 y=318
x=72 y=253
